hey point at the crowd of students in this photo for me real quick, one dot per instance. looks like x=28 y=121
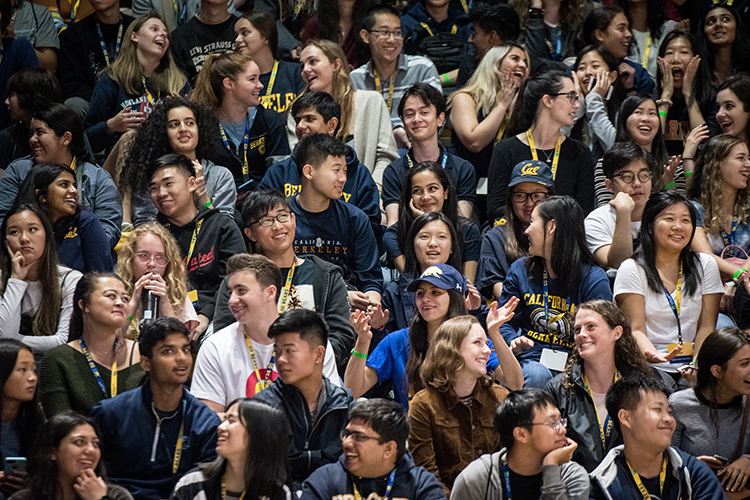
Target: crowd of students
x=418 y=249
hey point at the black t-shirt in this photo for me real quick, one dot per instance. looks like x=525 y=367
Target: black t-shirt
x=524 y=487
x=192 y=42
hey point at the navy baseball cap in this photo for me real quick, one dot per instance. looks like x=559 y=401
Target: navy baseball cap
x=442 y=276
x=534 y=171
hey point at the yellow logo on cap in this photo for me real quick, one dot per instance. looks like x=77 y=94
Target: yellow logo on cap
x=528 y=169
x=433 y=271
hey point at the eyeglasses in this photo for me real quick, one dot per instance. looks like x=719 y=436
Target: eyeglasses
x=572 y=96
x=145 y=258
x=519 y=197
x=629 y=177
x=557 y=424
x=383 y=35
x=358 y=437
x=282 y=217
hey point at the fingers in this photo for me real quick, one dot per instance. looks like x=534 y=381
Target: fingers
x=674 y=352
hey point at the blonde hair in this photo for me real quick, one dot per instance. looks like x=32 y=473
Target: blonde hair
x=209 y=85
x=342 y=90
x=444 y=359
x=174 y=275
x=127 y=69
x=486 y=82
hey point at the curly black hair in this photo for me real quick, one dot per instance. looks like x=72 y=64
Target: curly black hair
x=153 y=142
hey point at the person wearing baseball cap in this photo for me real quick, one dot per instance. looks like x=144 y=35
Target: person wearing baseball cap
x=530 y=183
x=442 y=293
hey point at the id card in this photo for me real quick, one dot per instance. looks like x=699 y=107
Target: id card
x=193 y=296
x=685 y=357
x=554 y=360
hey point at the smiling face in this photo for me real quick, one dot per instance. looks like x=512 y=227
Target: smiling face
x=152 y=39
x=317 y=70
x=106 y=306
x=638 y=191
x=182 y=131
x=21 y=383
x=62 y=196
x=432 y=302
x=308 y=122
x=517 y=63
x=735 y=168
x=233 y=438
x=172 y=191
x=276 y=238
x=561 y=109
x=387 y=49
x=421 y=120
x=170 y=361
x=246 y=86
x=672 y=228
x=47 y=146
x=643 y=124
x=651 y=424
x=427 y=192
x=678 y=54
x=731 y=116
x=523 y=211
x=432 y=245
x=363 y=456
x=77 y=452
x=589 y=66
x=720 y=28
x=248 y=296
x=25 y=233
x=540 y=237
x=248 y=40
x=475 y=351
x=594 y=338
x=734 y=378
x=329 y=178
x=617 y=37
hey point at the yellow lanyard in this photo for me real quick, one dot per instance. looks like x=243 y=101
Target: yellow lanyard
x=73 y=164
x=717 y=2
x=275 y=69
x=648 y=49
x=454 y=29
x=639 y=483
x=501 y=130
x=224 y=488
x=267 y=379
x=605 y=430
x=178 y=446
x=192 y=241
x=389 y=102
x=287 y=287
x=149 y=97
x=95 y=370
x=74 y=10
x=465 y=5
x=555 y=158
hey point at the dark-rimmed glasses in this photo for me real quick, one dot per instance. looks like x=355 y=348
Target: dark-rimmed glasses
x=282 y=217
x=572 y=96
x=629 y=177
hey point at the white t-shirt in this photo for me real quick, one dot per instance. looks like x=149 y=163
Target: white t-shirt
x=661 y=324
x=224 y=370
x=600 y=227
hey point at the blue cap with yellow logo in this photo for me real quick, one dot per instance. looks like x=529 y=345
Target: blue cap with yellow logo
x=532 y=171
x=442 y=276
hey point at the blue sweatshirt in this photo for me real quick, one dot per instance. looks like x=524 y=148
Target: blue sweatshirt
x=82 y=245
x=529 y=316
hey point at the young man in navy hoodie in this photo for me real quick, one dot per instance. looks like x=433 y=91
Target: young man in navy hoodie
x=207 y=238
x=646 y=465
x=319 y=113
x=375 y=461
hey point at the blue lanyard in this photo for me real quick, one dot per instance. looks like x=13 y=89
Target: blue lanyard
x=728 y=239
x=442 y=163
x=104 y=45
x=555 y=56
x=246 y=140
x=506 y=475
x=93 y=368
x=388 y=487
x=675 y=306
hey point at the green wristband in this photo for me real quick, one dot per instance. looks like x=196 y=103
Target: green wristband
x=737 y=274
x=207 y=205
x=662 y=113
x=359 y=354
x=671 y=184
x=688 y=174
x=445 y=77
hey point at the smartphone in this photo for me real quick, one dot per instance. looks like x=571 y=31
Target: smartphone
x=723 y=460
x=592 y=82
x=245 y=185
x=14 y=464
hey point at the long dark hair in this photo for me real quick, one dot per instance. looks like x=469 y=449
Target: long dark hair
x=328 y=21
x=267 y=460
x=597 y=19
x=702 y=91
x=151 y=140
x=48 y=314
x=36 y=186
x=741 y=45
x=30 y=416
x=655 y=16
x=405 y=215
x=645 y=255
x=628 y=355
x=531 y=93
x=43 y=482
x=85 y=287
x=658 y=146
x=60 y=118
x=718 y=348
x=570 y=255
x=418 y=343
x=412 y=264
x=618 y=91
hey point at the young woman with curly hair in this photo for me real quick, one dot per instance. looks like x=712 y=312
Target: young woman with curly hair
x=604 y=351
x=126 y=92
x=150 y=260
x=179 y=126
x=551 y=26
x=451 y=418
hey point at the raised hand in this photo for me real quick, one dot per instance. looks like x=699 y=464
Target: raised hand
x=687 y=80
x=199 y=195
x=360 y=320
x=498 y=316
x=520 y=344
x=473 y=299
x=667 y=81
x=378 y=315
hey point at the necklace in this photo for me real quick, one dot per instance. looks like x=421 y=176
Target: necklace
x=105 y=353
x=549 y=156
